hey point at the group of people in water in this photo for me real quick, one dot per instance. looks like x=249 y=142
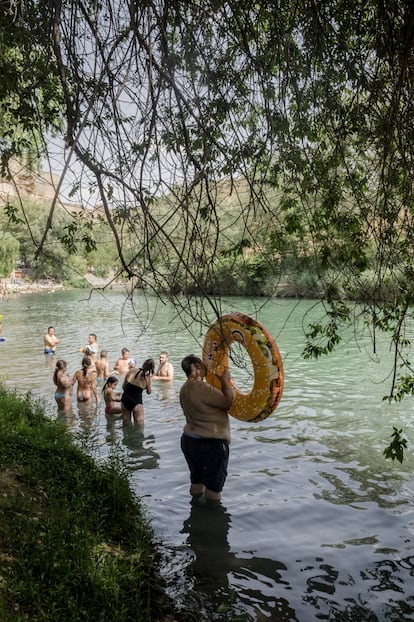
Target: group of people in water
x=135 y=380
x=206 y=435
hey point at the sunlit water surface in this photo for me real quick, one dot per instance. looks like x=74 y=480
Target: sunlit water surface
x=315 y=524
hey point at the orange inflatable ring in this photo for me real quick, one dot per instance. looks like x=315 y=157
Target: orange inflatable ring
x=267 y=388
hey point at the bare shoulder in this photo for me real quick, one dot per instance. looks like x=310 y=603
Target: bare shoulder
x=195 y=387
x=129 y=375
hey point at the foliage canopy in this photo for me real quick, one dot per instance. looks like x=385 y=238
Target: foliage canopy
x=304 y=109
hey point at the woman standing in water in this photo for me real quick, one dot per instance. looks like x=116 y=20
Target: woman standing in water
x=102 y=366
x=86 y=379
x=63 y=384
x=136 y=381
x=111 y=397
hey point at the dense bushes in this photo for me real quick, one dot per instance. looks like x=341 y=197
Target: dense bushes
x=74 y=544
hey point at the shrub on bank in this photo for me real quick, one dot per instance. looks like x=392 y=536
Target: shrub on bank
x=74 y=544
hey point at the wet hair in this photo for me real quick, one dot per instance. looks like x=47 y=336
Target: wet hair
x=104 y=353
x=190 y=359
x=109 y=380
x=93 y=335
x=86 y=362
x=148 y=367
x=124 y=350
x=60 y=366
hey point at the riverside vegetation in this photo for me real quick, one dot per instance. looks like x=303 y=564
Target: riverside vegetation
x=74 y=542
x=290 y=174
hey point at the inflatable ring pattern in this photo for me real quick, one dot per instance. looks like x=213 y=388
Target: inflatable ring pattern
x=267 y=388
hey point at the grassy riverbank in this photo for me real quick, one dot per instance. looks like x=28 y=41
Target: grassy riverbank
x=74 y=542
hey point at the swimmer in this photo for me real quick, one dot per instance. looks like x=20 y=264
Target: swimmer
x=50 y=341
x=92 y=346
x=206 y=436
x=63 y=387
x=165 y=370
x=121 y=365
x=136 y=381
x=111 y=396
x=102 y=366
x=86 y=379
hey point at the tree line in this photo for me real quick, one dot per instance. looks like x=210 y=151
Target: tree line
x=304 y=109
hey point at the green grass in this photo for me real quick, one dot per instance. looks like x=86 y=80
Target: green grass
x=74 y=543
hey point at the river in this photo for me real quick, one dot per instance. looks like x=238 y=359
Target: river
x=314 y=524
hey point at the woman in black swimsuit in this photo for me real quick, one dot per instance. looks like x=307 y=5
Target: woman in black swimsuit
x=136 y=381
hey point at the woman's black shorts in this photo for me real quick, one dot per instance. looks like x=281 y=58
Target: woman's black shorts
x=207 y=459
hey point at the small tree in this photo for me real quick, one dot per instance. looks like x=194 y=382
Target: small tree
x=9 y=254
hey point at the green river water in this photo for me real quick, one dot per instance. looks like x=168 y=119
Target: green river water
x=314 y=525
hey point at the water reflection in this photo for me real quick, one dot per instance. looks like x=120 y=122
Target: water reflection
x=164 y=392
x=50 y=361
x=67 y=417
x=208 y=530
x=141 y=452
x=88 y=425
x=313 y=474
x=385 y=577
x=217 y=572
x=87 y=412
x=111 y=428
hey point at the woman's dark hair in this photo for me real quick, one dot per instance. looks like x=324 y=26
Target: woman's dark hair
x=148 y=367
x=189 y=360
x=109 y=380
x=86 y=362
x=60 y=365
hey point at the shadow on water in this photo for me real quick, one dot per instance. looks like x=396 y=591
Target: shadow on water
x=215 y=571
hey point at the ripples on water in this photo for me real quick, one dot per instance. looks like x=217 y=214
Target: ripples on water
x=315 y=524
